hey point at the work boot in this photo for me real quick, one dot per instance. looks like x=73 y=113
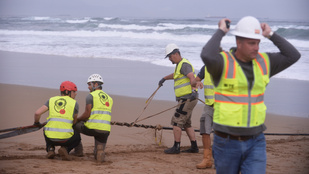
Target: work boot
x=192 y=149
x=207 y=160
x=173 y=150
x=51 y=153
x=100 y=155
x=64 y=154
x=78 y=150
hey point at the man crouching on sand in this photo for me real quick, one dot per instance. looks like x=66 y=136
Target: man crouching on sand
x=59 y=131
x=96 y=120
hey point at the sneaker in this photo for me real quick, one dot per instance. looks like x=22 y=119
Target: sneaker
x=172 y=150
x=51 y=154
x=191 y=150
x=64 y=154
x=100 y=155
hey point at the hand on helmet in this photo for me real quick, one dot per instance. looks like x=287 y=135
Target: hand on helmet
x=223 y=25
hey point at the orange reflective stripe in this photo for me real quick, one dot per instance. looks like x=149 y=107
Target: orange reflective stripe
x=239 y=99
x=262 y=64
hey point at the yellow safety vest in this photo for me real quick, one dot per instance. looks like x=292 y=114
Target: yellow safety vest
x=235 y=104
x=182 y=85
x=101 y=112
x=60 y=119
x=208 y=88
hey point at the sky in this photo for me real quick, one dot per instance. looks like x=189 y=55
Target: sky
x=272 y=9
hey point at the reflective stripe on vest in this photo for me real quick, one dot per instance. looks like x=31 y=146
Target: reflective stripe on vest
x=100 y=116
x=60 y=120
x=235 y=104
x=182 y=85
x=208 y=88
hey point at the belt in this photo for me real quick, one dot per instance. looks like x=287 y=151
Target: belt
x=233 y=137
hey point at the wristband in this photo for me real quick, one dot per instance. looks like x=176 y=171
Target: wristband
x=270 y=34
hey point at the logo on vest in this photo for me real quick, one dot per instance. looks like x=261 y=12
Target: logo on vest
x=60 y=105
x=229 y=86
x=104 y=99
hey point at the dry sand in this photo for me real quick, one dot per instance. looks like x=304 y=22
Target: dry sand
x=131 y=150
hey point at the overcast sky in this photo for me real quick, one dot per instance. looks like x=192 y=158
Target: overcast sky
x=273 y=9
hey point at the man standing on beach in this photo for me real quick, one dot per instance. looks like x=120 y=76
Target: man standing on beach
x=186 y=95
x=96 y=120
x=240 y=78
x=207 y=116
x=59 y=131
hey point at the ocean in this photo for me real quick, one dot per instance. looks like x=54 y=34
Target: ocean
x=144 y=40
x=137 y=39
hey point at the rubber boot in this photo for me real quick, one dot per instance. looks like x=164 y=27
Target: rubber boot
x=207 y=160
x=100 y=156
x=99 y=153
x=78 y=150
x=51 y=152
x=192 y=149
x=173 y=150
x=63 y=152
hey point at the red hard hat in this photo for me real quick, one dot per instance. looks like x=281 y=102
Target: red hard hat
x=67 y=85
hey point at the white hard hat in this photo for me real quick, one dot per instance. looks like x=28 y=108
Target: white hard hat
x=95 y=78
x=248 y=27
x=170 y=48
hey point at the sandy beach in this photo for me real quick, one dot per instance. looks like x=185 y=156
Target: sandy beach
x=131 y=150
x=27 y=81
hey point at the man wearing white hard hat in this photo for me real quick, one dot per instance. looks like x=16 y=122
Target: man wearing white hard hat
x=186 y=95
x=240 y=77
x=96 y=120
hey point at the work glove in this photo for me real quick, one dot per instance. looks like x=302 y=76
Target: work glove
x=161 y=82
x=194 y=95
x=37 y=124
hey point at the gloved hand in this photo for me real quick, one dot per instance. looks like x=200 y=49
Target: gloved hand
x=37 y=124
x=194 y=95
x=161 y=82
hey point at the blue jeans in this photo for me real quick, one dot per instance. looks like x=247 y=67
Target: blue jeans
x=234 y=156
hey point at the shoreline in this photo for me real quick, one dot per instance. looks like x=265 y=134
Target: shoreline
x=131 y=78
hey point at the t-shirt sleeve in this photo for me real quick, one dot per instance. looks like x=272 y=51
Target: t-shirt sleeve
x=186 y=69
x=76 y=109
x=47 y=103
x=89 y=99
x=201 y=74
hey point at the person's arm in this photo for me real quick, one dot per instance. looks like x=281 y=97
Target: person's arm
x=169 y=77
x=86 y=114
x=211 y=52
x=200 y=77
x=88 y=107
x=39 y=112
x=192 y=79
x=287 y=56
x=76 y=109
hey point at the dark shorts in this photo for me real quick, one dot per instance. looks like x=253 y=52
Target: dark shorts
x=99 y=135
x=68 y=143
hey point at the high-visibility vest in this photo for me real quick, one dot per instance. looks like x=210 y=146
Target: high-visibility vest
x=101 y=112
x=235 y=104
x=60 y=120
x=182 y=85
x=208 y=88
